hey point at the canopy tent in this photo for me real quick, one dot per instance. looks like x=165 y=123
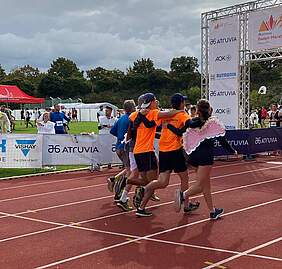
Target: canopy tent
x=12 y=94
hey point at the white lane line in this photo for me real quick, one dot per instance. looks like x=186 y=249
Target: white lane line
x=150 y=235
x=244 y=253
x=275 y=162
x=113 y=215
x=104 y=175
x=91 y=176
x=91 y=186
x=198 y=196
x=56 y=181
x=122 y=213
x=211 y=248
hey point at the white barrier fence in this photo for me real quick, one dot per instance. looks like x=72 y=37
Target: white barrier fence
x=34 y=151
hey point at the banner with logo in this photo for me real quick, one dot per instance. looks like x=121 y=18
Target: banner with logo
x=79 y=149
x=224 y=69
x=252 y=141
x=265 y=29
x=20 y=151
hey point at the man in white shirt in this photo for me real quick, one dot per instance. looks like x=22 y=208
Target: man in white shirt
x=254 y=119
x=100 y=113
x=106 y=122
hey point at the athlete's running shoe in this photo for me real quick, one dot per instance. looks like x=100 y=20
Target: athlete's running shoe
x=124 y=206
x=143 y=213
x=120 y=183
x=216 y=213
x=191 y=207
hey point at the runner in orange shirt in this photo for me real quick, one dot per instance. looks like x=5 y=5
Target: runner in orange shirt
x=171 y=157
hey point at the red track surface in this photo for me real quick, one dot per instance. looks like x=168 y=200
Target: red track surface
x=69 y=221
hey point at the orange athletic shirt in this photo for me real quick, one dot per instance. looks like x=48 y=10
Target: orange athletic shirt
x=170 y=141
x=145 y=136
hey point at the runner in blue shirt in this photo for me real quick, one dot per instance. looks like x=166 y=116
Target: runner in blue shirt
x=58 y=117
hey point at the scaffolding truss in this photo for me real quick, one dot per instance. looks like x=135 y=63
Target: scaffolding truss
x=246 y=56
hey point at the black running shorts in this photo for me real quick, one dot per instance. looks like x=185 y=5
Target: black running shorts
x=146 y=161
x=172 y=161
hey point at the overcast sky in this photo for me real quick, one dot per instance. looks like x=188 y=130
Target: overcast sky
x=107 y=33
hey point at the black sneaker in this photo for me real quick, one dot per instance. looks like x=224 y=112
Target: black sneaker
x=124 y=206
x=192 y=207
x=216 y=213
x=138 y=196
x=143 y=213
x=117 y=197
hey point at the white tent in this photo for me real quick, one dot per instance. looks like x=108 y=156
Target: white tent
x=95 y=106
x=88 y=112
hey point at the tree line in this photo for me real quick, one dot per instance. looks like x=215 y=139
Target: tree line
x=65 y=80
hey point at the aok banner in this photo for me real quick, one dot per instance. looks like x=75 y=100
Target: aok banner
x=80 y=149
x=265 y=29
x=223 y=70
x=20 y=151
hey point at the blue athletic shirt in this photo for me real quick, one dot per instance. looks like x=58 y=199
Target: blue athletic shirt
x=119 y=129
x=57 y=118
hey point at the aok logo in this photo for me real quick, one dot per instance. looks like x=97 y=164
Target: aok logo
x=25 y=146
x=225 y=58
x=223 y=111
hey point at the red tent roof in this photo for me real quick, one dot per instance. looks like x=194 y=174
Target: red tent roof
x=12 y=94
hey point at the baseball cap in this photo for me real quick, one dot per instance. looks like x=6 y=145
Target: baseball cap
x=177 y=99
x=148 y=98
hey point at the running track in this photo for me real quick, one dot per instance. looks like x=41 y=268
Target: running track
x=69 y=221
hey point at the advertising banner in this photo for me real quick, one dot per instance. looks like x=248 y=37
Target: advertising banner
x=252 y=141
x=20 y=151
x=79 y=149
x=265 y=29
x=224 y=70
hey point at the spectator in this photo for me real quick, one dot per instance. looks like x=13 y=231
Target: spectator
x=27 y=118
x=22 y=115
x=100 y=113
x=74 y=114
x=36 y=115
x=193 y=112
x=254 y=119
x=106 y=122
x=5 y=124
x=46 y=126
x=58 y=118
x=274 y=120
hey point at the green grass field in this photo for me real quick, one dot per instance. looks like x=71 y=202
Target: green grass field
x=75 y=128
